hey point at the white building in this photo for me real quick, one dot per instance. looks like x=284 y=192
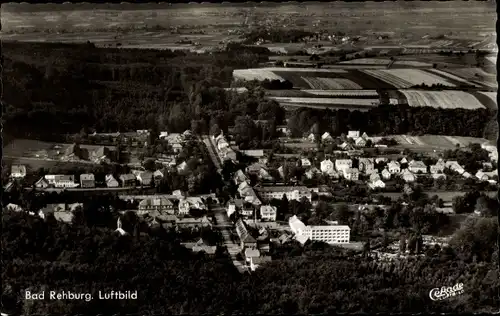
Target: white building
x=277 y=192
x=327 y=166
x=61 y=181
x=351 y=174
x=18 y=171
x=343 y=164
x=326 y=137
x=305 y=162
x=366 y=165
x=417 y=167
x=408 y=176
x=386 y=175
x=394 y=167
x=268 y=213
x=331 y=234
x=454 y=166
x=353 y=134
x=360 y=142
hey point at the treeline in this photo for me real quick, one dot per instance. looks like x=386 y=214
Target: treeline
x=314 y=279
x=276 y=35
x=389 y=119
x=60 y=88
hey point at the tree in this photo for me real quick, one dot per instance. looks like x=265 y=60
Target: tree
x=215 y=130
x=149 y=164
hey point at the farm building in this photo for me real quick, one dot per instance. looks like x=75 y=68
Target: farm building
x=394 y=167
x=257 y=153
x=353 y=134
x=343 y=164
x=61 y=181
x=408 y=176
x=366 y=165
x=386 y=174
x=417 y=167
x=351 y=174
x=327 y=166
x=360 y=142
x=305 y=162
x=268 y=213
x=326 y=137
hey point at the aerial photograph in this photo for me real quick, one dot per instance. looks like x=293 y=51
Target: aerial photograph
x=249 y=158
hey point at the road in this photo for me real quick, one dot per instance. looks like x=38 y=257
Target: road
x=223 y=223
x=211 y=151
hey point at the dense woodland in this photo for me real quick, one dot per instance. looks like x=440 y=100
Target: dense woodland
x=60 y=89
x=169 y=279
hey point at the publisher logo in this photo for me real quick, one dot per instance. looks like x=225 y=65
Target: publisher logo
x=439 y=294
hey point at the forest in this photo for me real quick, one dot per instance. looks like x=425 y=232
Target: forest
x=59 y=89
x=87 y=256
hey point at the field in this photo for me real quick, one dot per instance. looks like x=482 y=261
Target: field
x=452 y=77
x=255 y=74
x=410 y=63
x=107 y=24
x=433 y=141
x=442 y=99
x=328 y=102
x=369 y=61
x=406 y=78
x=31 y=148
x=343 y=93
x=476 y=75
x=331 y=83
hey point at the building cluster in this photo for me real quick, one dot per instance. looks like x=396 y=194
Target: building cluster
x=175 y=140
x=223 y=148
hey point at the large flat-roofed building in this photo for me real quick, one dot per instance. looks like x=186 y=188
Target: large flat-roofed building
x=277 y=192
x=331 y=234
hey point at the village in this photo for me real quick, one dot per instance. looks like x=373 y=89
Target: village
x=245 y=220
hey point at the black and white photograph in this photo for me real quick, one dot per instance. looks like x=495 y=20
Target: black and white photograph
x=257 y=158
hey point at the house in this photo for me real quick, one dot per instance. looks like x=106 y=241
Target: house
x=351 y=174
x=102 y=154
x=201 y=246
x=18 y=171
x=62 y=212
x=343 y=164
x=159 y=204
x=332 y=234
x=454 y=166
x=438 y=176
x=360 y=142
x=284 y=130
x=374 y=177
x=246 y=209
x=311 y=137
x=277 y=192
x=163 y=135
x=394 y=167
x=281 y=172
x=61 y=181
x=246 y=240
x=326 y=137
x=119 y=228
x=256 y=262
x=264 y=175
x=187 y=133
x=353 y=134
x=194 y=222
x=188 y=203
x=386 y=175
x=240 y=177
x=366 y=165
x=256 y=153
x=127 y=180
x=42 y=183
x=492 y=174
x=381 y=160
x=305 y=162
x=254 y=168
x=408 y=176
x=327 y=166
x=403 y=160
x=87 y=180
x=378 y=184
x=346 y=146
x=263 y=160
x=177 y=147
x=251 y=253
x=417 y=167
x=145 y=177
x=14 y=207
x=111 y=181
x=437 y=168
x=231 y=208
x=158 y=176
x=481 y=176
x=466 y=175
x=182 y=167
x=365 y=136
x=268 y=213
x=312 y=172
